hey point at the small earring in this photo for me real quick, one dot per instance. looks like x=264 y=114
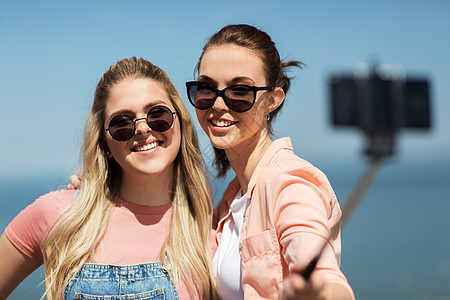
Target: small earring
x=268 y=117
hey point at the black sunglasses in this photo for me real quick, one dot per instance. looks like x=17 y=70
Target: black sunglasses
x=238 y=97
x=122 y=127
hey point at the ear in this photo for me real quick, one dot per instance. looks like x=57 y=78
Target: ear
x=108 y=153
x=276 y=98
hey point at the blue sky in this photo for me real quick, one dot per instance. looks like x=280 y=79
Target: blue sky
x=54 y=52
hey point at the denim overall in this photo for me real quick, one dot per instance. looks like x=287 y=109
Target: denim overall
x=143 y=282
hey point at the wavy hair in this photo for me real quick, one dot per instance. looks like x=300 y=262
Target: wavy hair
x=74 y=239
x=252 y=38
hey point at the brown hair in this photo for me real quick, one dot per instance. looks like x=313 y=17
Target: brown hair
x=259 y=41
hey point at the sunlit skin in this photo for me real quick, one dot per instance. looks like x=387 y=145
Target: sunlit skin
x=146 y=172
x=243 y=136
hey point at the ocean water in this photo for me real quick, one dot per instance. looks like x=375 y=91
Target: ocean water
x=396 y=244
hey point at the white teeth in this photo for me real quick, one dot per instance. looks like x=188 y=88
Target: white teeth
x=221 y=123
x=146 y=147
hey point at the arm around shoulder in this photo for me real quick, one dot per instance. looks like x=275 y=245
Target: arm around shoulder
x=14 y=265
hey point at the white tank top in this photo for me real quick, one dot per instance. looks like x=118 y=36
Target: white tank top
x=227 y=259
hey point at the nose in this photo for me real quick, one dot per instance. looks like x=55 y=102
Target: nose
x=141 y=126
x=219 y=104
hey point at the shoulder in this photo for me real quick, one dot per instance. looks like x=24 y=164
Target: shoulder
x=288 y=178
x=286 y=165
x=53 y=203
x=48 y=207
x=280 y=163
x=28 y=229
x=60 y=196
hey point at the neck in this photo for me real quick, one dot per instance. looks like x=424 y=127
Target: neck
x=147 y=190
x=245 y=158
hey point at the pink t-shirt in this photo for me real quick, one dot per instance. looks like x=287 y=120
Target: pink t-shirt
x=135 y=234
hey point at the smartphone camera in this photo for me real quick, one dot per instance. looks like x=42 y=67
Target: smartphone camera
x=379 y=104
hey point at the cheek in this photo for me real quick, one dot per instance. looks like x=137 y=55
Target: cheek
x=257 y=114
x=177 y=138
x=113 y=149
x=201 y=117
x=255 y=122
x=174 y=139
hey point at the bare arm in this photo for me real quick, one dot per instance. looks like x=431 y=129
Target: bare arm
x=14 y=265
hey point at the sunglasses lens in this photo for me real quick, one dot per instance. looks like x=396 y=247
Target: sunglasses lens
x=202 y=96
x=239 y=97
x=160 y=118
x=121 y=128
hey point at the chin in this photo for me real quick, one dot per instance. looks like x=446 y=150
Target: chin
x=221 y=143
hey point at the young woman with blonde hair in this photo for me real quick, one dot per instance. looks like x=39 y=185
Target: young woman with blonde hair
x=139 y=227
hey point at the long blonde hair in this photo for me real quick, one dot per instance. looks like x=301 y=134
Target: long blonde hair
x=74 y=239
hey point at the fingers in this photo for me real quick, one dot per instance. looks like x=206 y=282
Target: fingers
x=297 y=287
x=75 y=181
x=292 y=286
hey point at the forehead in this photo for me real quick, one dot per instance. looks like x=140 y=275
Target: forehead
x=230 y=61
x=133 y=94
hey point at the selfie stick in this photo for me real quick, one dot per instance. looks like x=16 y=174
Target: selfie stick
x=349 y=205
x=379 y=104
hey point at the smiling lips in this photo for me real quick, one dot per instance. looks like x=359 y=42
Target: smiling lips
x=222 y=123
x=145 y=147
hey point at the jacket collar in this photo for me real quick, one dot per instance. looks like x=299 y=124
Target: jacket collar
x=277 y=145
